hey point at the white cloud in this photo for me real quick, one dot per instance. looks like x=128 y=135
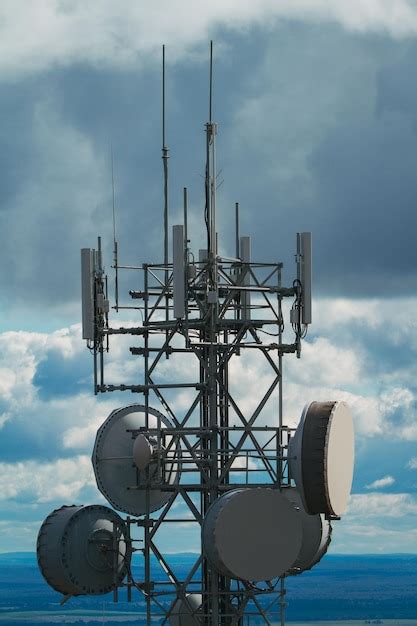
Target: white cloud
x=336 y=312
x=324 y=363
x=81 y=437
x=399 y=398
x=20 y=355
x=373 y=539
x=386 y=481
x=409 y=432
x=377 y=523
x=326 y=371
x=72 y=421
x=368 y=417
x=412 y=463
x=60 y=480
x=4 y=417
x=244 y=462
x=383 y=505
x=41 y=35
x=24 y=532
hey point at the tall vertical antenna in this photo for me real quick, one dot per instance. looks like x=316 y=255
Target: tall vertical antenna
x=237 y=230
x=112 y=185
x=210 y=182
x=165 y=158
x=115 y=246
x=211 y=81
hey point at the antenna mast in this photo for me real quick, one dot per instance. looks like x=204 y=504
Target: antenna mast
x=210 y=185
x=115 y=246
x=165 y=157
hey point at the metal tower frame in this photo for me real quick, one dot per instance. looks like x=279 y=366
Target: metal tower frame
x=213 y=310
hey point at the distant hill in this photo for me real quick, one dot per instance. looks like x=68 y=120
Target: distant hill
x=341 y=587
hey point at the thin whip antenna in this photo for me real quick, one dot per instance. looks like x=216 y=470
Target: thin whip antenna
x=163 y=96
x=210 y=180
x=237 y=233
x=211 y=81
x=115 y=247
x=112 y=184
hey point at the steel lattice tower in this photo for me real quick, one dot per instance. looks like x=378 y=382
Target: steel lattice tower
x=194 y=442
x=212 y=310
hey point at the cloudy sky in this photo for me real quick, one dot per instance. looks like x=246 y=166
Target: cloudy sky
x=317 y=108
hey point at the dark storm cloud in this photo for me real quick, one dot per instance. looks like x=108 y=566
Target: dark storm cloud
x=339 y=157
x=368 y=195
x=56 y=174
x=317 y=131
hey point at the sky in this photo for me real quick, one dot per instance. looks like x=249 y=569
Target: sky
x=317 y=109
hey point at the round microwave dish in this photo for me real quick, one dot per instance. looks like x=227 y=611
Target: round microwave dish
x=118 y=477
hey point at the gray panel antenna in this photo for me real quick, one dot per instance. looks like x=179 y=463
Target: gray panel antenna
x=192 y=453
x=87 y=292
x=306 y=276
x=178 y=245
x=202 y=256
x=245 y=253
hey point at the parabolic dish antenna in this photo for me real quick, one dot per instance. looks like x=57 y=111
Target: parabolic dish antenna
x=113 y=462
x=316 y=536
x=143 y=451
x=252 y=534
x=185 y=613
x=77 y=553
x=321 y=456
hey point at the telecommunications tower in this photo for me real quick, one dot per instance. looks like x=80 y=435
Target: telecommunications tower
x=259 y=495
